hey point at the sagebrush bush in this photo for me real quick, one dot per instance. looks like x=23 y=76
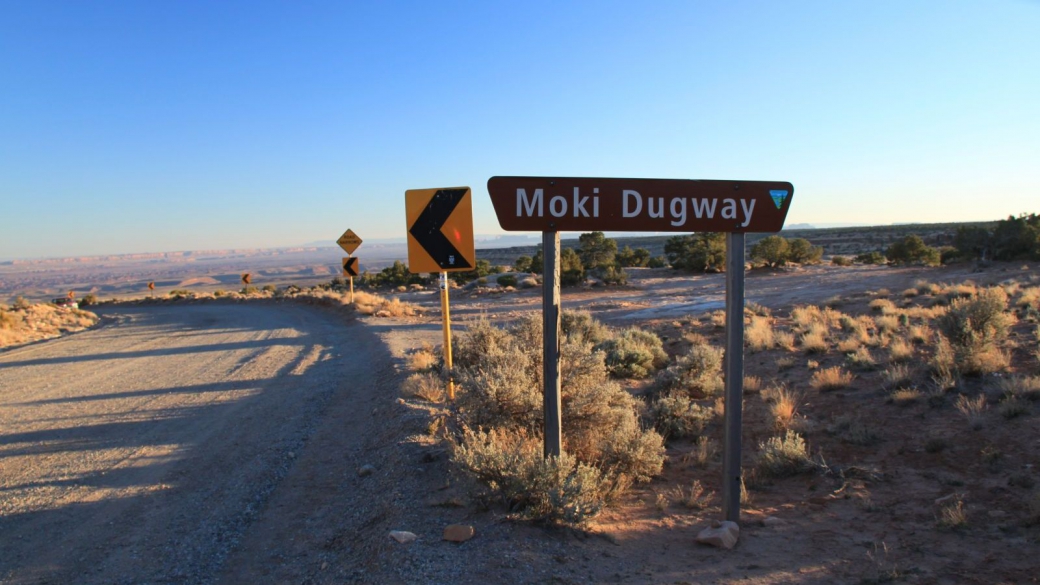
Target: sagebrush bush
x=581 y=327
x=634 y=353
x=499 y=376
x=974 y=327
x=510 y=464
x=425 y=386
x=8 y=320
x=1026 y=387
x=759 y=333
x=676 y=415
x=783 y=456
x=698 y=372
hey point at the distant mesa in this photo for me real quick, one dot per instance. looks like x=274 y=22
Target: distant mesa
x=800 y=226
x=200 y=281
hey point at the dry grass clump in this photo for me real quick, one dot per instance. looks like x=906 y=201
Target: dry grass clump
x=634 y=353
x=1029 y=297
x=422 y=359
x=806 y=317
x=905 y=396
x=696 y=497
x=497 y=424
x=1011 y=407
x=972 y=409
x=783 y=456
x=815 y=340
x=833 y=378
x=910 y=293
x=927 y=288
x=759 y=333
x=783 y=407
x=718 y=319
x=698 y=372
x=887 y=323
x=900 y=350
x=920 y=333
x=424 y=386
x=883 y=306
x=897 y=375
x=784 y=340
x=861 y=359
x=1025 y=387
x=952 y=515
x=676 y=415
x=752 y=384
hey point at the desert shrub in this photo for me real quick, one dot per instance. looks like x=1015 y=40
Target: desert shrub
x=676 y=415
x=783 y=406
x=905 y=396
x=841 y=261
x=1011 y=407
x=634 y=258
x=522 y=264
x=900 y=350
x=952 y=515
x=974 y=327
x=634 y=353
x=371 y=304
x=507 y=280
x=500 y=388
x=220 y=293
x=830 y=379
x=772 y=250
x=88 y=300
x=700 y=252
x=698 y=372
x=581 y=327
x=912 y=250
x=860 y=359
x=248 y=290
x=871 y=258
x=657 y=262
x=510 y=464
x=694 y=498
x=270 y=288
x=610 y=274
x=799 y=250
x=1017 y=238
x=784 y=340
x=815 y=340
x=783 y=456
x=179 y=293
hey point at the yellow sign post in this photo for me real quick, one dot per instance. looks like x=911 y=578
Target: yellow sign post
x=440 y=239
x=349 y=241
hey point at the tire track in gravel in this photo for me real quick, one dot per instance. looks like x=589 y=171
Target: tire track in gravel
x=143 y=451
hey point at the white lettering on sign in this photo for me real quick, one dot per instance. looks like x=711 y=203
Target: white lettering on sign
x=632 y=205
x=534 y=205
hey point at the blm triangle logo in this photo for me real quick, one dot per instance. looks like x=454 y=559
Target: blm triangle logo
x=779 y=197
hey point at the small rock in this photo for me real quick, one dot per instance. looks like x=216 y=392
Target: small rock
x=402 y=536
x=366 y=470
x=771 y=521
x=721 y=534
x=458 y=533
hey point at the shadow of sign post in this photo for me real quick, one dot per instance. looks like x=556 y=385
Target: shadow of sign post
x=556 y=204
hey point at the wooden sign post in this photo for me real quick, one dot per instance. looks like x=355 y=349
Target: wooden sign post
x=554 y=204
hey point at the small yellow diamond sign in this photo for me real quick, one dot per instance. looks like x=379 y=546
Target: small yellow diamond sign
x=349 y=241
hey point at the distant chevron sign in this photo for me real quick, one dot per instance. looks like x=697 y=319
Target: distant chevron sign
x=440 y=230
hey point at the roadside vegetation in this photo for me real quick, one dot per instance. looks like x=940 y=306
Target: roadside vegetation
x=25 y=322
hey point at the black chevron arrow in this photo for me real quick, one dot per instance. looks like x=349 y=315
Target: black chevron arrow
x=427 y=229
x=350 y=266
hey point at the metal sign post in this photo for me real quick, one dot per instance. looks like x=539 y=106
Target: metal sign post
x=733 y=366
x=551 y=321
x=447 y=334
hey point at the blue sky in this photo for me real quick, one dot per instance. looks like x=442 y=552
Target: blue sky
x=153 y=126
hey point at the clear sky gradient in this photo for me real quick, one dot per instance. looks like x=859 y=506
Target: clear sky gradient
x=155 y=126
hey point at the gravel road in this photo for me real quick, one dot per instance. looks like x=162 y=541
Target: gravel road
x=147 y=450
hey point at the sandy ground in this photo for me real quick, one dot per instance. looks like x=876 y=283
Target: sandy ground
x=222 y=442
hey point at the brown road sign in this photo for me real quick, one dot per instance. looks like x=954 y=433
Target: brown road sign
x=440 y=230
x=546 y=204
x=246 y=278
x=349 y=241
x=350 y=266
x=151 y=286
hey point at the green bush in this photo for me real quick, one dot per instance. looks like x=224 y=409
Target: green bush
x=633 y=258
x=974 y=328
x=580 y=327
x=611 y=274
x=180 y=293
x=634 y=354
x=773 y=250
x=841 y=261
x=249 y=290
x=522 y=264
x=657 y=262
x=269 y=288
x=783 y=456
x=677 y=416
x=596 y=250
x=572 y=271
x=1017 y=238
x=700 y=252
x=801 y=251
x=871 y=258
x=507 y=280
x=913 y=250
x=88 y=300
x=697 y=373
